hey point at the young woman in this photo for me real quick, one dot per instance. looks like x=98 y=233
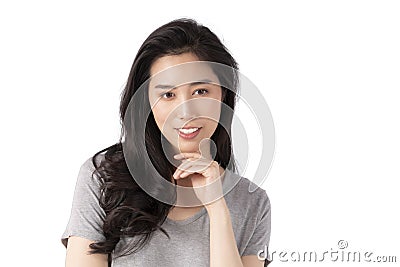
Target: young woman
x=124 y=212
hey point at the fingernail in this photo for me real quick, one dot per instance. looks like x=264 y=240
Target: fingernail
x=177 y=156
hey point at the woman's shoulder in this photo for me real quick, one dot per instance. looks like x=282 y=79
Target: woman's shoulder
x=85 y=178
x=89 y=163
x=246 y=193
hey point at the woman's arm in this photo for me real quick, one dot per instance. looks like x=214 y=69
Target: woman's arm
x=223 y=247
x=77 y=255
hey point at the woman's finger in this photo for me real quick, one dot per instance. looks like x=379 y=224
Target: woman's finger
x=187 y=162
x=194 y=155
x=181 y=168
x=187 y=155
x=191 y=167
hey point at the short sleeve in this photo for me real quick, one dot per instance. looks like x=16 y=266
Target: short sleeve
x=87 y=217
x=261 y=235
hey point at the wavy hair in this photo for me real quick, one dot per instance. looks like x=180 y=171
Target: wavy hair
x=130 y=211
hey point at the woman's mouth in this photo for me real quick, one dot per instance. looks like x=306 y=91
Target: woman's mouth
x=189 y=133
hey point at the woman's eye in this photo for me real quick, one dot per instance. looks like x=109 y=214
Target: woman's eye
x=166 y=94
x=204 y=90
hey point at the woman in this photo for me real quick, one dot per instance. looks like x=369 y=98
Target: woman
x=124 y=212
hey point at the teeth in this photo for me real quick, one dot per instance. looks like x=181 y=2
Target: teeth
x=188 y=131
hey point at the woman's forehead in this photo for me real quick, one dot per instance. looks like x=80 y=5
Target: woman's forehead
x=167 y=61
x=183 y=73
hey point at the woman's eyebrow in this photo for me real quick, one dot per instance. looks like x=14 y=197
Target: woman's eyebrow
x=166 y=86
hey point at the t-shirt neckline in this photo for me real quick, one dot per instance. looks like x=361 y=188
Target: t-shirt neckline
x=187 y=220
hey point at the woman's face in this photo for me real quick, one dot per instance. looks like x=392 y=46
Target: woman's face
x=184 y=96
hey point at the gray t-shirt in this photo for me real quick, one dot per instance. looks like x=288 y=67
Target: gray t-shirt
x=190 y=238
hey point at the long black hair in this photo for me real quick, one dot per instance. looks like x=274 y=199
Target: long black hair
x=130 y=211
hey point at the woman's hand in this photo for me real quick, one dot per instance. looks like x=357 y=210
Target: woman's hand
x=204 y=174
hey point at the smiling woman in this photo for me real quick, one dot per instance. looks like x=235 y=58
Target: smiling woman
x=116 y=221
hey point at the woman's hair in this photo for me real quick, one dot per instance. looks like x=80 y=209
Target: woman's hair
x=130 y=211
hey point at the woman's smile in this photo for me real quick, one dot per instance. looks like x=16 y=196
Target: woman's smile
x=188 y=133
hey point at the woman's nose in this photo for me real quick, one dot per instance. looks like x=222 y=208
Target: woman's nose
x=186 y=109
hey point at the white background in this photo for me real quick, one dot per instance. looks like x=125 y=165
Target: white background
x=329 y=71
